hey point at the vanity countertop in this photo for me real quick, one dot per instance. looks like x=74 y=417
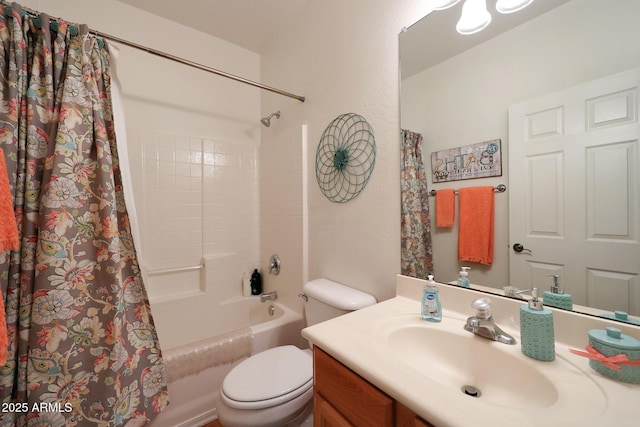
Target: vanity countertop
x=355 y=340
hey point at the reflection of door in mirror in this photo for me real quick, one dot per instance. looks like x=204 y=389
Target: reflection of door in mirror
x=574 y=181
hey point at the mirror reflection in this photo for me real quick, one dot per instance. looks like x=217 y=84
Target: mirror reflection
x=570 y=217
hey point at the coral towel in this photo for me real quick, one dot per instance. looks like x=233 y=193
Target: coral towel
x=8 y=227
x=8 y=240
x=475 y=238
x=445 y=207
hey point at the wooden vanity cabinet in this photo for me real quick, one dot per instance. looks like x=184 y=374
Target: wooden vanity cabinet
x=405 y=417
x=342 y=398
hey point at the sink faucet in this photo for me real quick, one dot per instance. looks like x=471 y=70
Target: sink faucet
x=268 y=296
x=482 y=323
x=510 y=291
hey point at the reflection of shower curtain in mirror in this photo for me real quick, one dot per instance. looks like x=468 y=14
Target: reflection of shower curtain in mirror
x=82 y=342
x=416 y=249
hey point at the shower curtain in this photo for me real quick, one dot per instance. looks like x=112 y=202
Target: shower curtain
x=83 y=348
x=416 y=248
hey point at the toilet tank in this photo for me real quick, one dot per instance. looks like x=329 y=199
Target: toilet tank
x=327 y=299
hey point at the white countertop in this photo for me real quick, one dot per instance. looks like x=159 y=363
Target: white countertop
x=355 y=340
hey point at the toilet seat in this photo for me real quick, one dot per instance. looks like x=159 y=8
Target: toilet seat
x=269 y=378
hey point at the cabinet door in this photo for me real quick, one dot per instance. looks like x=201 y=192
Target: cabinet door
x=358 y=401
x=325 y=415
x=405 y=417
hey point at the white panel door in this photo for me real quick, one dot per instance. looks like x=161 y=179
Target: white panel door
x=574 y=199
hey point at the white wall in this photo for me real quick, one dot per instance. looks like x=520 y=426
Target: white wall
x=343 y=57
x=283 y=215
x=466 y=99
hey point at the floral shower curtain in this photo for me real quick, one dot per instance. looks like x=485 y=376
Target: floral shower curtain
x=83 y=348
x=416 y=249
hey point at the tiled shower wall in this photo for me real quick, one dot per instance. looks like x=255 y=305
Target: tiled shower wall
x=197 y=201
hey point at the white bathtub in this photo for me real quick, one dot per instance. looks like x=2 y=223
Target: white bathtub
x=196 y=369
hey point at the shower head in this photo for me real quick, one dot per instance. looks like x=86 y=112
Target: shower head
x=266 y=121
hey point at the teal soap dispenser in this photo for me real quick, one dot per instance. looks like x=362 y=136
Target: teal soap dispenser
x=556 y=296
x=463 y=280
x=537 y=338
x=431 y=308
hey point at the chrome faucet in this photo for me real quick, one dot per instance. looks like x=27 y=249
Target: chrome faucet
x=482 y=323
x=268 y=296
x=510 y=291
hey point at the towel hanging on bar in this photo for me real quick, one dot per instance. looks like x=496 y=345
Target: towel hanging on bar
x=476 y=225
x=445 y=208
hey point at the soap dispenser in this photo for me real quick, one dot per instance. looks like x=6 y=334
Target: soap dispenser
x=556 y=296
x=463 y=280
x=537 y=338
x=431 y=308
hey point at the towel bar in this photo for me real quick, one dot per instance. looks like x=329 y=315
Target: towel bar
x=175 y=270
x=499 y=189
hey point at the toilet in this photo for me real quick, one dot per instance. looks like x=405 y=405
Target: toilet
x=274 y=388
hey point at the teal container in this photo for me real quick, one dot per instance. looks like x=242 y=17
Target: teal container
x=553 y=299
x=611 y=342
x=537 y=338
x=622 y=316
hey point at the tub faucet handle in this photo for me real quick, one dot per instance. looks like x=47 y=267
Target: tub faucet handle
x=274 y=265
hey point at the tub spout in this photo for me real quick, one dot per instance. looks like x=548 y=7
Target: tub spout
x=269 y=296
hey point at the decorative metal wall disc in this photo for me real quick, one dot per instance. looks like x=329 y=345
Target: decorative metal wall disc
x=345 y=157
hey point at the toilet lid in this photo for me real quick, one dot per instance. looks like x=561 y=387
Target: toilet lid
x=269 y=378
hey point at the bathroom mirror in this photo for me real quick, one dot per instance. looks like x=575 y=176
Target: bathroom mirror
x=456 y=90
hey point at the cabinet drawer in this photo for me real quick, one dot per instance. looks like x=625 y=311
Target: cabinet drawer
x=325 y=415
x=359 y=401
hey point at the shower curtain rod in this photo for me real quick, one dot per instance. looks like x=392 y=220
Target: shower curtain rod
x=171 y=57
x=196 y=65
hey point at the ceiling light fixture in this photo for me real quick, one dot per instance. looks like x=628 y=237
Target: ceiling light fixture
x=510 y=6
x=474 y=18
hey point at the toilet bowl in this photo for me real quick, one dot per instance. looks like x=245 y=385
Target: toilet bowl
x=274 y=388
x=270 y=389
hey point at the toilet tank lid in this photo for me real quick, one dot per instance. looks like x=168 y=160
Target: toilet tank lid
x=338 y=295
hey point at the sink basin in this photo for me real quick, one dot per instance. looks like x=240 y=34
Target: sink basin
x=445 y=354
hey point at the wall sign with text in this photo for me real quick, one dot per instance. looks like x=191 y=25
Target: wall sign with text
x=480 y=160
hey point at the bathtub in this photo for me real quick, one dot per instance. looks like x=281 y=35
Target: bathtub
x=196 y=368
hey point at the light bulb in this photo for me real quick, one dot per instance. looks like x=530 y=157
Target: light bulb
x=475 y=17
x=510 y=6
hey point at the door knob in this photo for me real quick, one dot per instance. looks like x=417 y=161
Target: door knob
x=519 y=248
